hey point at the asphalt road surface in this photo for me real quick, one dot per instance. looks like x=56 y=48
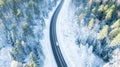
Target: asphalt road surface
x=53 y=38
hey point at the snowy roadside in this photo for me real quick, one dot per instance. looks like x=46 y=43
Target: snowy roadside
x=63 y=25
x=66 y=33
x=6 y=49
x=45 y=42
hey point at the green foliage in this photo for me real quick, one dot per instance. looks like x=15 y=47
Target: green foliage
x=109 y=12
x=27 y=30
x=114 y=33
x=103 y=33
x=91 y=23
x=106 y=11
x=113 y=6
x=26 y=65
x=31 y=55
x=93 y=10
x=15 y=51
x=18 y=12
x=32 y=64
x=10 y=13
x=81 y=15
x=17 y=42
x=101 y=8
x=1 y=3
x=18 y=51
x=25 y=26
x=116 y=24
x=105 y=7
x=101 y=12
x=115 y=41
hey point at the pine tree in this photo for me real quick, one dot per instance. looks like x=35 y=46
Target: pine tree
x=116 y=24
x=91 y=23
x=103 y=33
x=115 y=41
x=114 y=33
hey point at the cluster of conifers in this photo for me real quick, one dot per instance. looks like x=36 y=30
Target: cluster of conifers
x=104 y=15
x=19 y=19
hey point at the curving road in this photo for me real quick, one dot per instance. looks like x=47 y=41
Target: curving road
x=53 y=38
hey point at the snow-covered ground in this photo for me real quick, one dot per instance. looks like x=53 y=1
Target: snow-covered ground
x=5 y=48
x=5 y=57
x=74 y=55
x=67 y=33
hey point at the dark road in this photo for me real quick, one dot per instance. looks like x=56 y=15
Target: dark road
x=53 y=38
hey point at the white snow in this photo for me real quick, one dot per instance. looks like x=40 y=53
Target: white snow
x=66 y=33
x=16 y=64
x=5 y=58
x=5 y=48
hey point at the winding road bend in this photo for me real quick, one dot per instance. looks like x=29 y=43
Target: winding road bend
x=53 y=38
